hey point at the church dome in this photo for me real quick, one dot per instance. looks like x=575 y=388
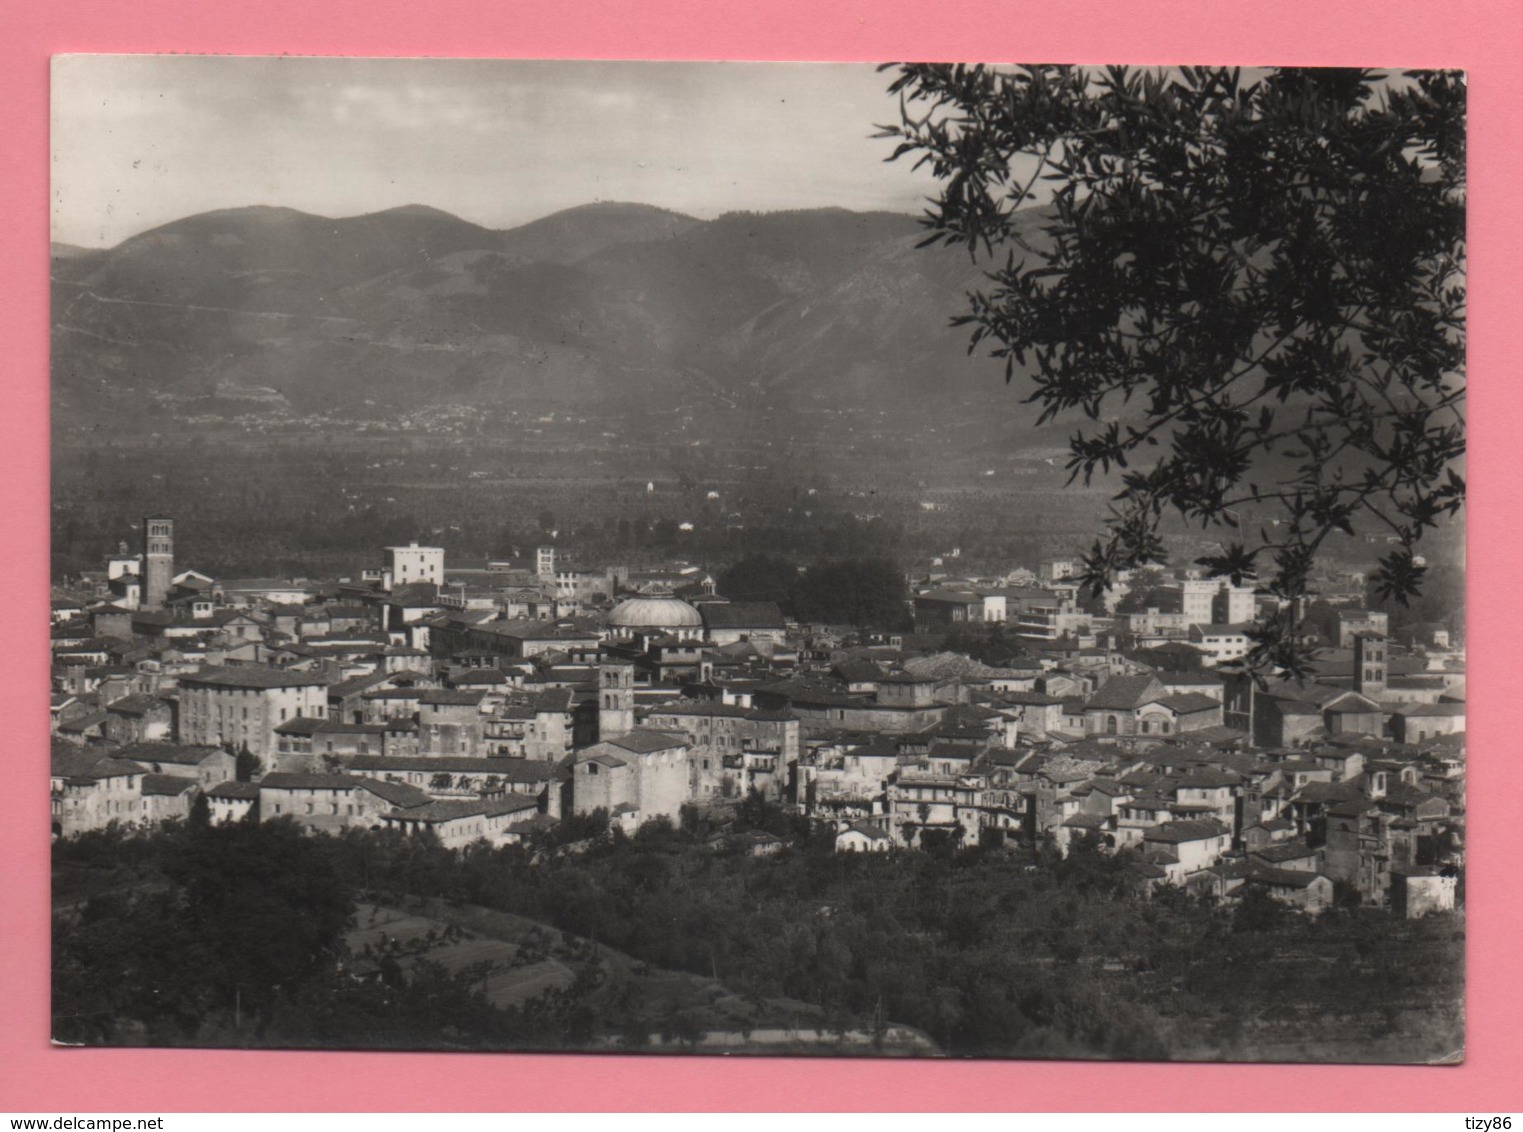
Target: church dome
x=654 y=609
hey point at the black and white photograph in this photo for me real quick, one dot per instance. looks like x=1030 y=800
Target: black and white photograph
x=804 y=559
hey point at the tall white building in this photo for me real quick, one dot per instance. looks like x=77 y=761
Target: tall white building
x=411 y=564
x=1236 y=604
x=1196 y=598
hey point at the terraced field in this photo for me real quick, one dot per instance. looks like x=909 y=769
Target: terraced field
x=517 y=973
x=528 y=958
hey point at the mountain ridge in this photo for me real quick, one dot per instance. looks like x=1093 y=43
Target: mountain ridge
x=601 y=304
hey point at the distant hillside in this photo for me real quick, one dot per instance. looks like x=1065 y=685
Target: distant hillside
x=576 y=233
x=277 y=259
x=596 y=306
x=61 y=251
x=296 y=387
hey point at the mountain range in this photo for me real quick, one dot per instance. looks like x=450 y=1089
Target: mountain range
x=594 y=308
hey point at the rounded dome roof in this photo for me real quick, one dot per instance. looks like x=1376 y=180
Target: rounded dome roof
x=657 y=610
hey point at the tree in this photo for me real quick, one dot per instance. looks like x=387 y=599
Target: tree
x=246 y=913
x=760 y=577
x=866 y=592
x=247 y=766
x=1257 y=911
x=987 y=644
x=266 y=901
x=1268 y=272
x=1143 y=592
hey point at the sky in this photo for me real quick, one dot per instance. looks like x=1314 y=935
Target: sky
x=141 y=140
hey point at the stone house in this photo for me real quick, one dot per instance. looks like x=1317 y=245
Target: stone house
x=863 y=837
x=91 y=789
x=333 y=802
x=205 y=766
x=232 y=801
x=1189 y=845
x=457 y=823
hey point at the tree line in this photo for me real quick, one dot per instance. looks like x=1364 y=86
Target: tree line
x=865 y=592
x=991 y=951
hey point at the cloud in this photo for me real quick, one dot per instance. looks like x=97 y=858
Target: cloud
x=411 y=107
x=499 y=142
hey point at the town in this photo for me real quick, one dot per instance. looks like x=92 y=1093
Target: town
x=494 y=702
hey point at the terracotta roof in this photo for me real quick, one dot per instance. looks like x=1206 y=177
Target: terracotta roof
x=1282 y=878
x=304 y=725
x=513 y=770
x=1188 y=702
x=908 y=678
x=167 y=785
x=235 y=791
x=253 y=676
x=399 y=794
x=761 y=715
x=358 y=684
x=857 y=671
x=1431 y=710
x=1208 y=778
x=871 y=832
x=1174 y=832
x=700 y=709
x=88 y=765
x=138 y=705
x=1325 y=792
x=84 y=722
x=603 y=757
x=452 y=697
x=455 y=809
x=1087 y=821
x=1285 y=851
x=1351 y=702
x=644 y=740
x=167 y=753
x=1123 y=693
x=290 y=780
x=1109 y=787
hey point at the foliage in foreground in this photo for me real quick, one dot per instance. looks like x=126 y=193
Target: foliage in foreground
x=1254 y=288
x=991 y=952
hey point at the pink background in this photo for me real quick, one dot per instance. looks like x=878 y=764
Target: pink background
x=1482 y=36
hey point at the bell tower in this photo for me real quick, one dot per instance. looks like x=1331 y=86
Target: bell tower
x=616 y=699
x=158 y=561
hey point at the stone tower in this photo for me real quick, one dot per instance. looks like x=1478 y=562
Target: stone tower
x=1370 y=665
x=158 y=561
x=616 y=699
